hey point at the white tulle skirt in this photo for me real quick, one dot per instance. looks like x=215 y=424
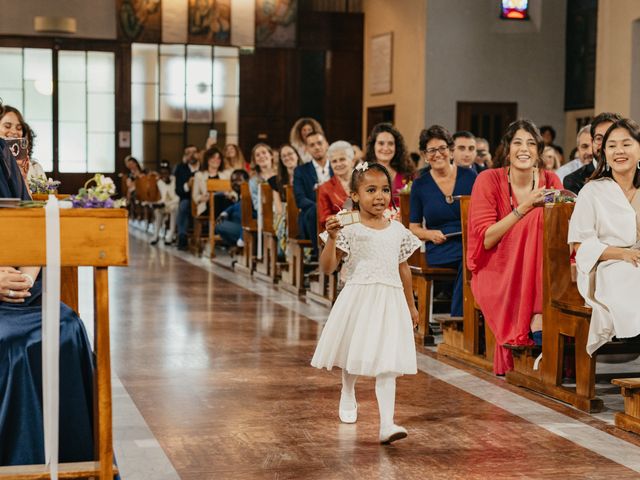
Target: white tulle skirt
x=368 y=332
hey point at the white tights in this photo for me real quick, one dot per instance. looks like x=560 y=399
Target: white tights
x=385 y=393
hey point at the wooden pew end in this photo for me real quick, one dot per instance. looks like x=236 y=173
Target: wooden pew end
x=630 y=390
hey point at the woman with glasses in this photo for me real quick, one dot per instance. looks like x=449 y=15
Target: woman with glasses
x=504 y=248
x=435 y=212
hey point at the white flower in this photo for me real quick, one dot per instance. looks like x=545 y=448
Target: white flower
x=362 y=166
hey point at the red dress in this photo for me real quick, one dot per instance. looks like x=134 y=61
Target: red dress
x=507 y=279
x=331 y=197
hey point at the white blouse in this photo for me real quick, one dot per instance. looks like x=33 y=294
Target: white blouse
x=604 y=217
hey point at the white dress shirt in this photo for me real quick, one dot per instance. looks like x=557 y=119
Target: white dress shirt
x=323 y=173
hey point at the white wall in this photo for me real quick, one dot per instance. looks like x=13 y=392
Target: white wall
x=95 y=18
x=473 y=56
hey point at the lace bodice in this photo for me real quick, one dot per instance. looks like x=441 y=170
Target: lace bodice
x=372 y=256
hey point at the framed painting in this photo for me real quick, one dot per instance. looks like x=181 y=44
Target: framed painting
x=210 y=22
x=276 y=23
x=140 y=20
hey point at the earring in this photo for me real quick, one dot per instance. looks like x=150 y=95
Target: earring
x=607 y=167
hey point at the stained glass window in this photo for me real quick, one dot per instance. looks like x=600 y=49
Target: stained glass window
x=514 y=9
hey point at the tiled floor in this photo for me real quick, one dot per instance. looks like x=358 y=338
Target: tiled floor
x=215 y=370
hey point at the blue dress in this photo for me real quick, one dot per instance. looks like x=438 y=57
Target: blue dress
x=21 y=423
x=428 y=204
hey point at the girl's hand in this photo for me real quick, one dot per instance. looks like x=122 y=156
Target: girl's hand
x=632 y=256
x=414 y=315
x=333 y=226
x=535 y=198
x=436 y=236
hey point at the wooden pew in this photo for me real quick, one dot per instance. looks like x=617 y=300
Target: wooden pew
x=324 y=288
x=292 y=278
x=423 y=277
x=564 y=315
x=147 y=193
x=88 y=237
x=630 y=419
x=267 y=267
x=247 y=264
x=215 y=185
x=462 y=339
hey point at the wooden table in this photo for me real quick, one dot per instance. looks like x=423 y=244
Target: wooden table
x=88 y=237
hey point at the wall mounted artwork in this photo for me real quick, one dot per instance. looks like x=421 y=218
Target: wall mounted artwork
x=140 y=20
x=276 y=22
x=210 y=22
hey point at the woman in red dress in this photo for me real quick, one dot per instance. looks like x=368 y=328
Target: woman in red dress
x=504 y=250
x=333 y=193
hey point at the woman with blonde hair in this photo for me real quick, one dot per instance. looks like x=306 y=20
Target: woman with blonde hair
x=299 y=132
x=233 y=158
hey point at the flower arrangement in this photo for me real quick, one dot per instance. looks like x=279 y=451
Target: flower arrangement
x=43 y=185
x=97 y=196
x=407 y=187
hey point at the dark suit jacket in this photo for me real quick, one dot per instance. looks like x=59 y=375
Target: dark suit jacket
x=576 y=180
x=305 y=181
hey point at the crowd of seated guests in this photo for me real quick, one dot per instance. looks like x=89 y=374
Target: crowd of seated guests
x=507 y=188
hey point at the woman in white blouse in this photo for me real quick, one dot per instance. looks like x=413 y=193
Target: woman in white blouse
x=212 y=166
x=605 y=230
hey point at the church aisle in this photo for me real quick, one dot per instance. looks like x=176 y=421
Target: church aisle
x=221 y=375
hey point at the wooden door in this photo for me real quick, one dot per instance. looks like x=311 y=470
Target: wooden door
x=486 y=119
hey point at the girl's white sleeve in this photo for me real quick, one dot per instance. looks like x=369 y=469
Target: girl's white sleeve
x=409 y=244
x=342 y=241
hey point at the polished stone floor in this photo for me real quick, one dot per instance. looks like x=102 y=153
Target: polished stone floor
x=216 y=380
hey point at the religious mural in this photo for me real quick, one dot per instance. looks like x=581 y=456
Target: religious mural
x=276 y=22
x=210 y=22
x=140 y=20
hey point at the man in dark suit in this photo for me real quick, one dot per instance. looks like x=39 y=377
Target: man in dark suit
x=183 y=172
x=306 y=179
x=599 y=126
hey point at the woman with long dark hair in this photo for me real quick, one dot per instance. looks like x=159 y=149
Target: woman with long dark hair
x=386 y=146
x=504 y=250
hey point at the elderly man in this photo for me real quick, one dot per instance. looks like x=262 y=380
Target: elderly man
x=599 y=125
x=584 y=153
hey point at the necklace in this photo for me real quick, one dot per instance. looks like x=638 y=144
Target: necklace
x=533 y=185
x=448 y=198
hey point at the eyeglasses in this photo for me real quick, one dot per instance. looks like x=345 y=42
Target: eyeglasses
x=441 y=150
x=598 y=139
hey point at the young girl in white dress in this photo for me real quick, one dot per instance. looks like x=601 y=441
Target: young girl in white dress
x=370 y=328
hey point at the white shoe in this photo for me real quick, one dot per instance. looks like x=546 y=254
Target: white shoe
x=392 y=433
x=348 y=415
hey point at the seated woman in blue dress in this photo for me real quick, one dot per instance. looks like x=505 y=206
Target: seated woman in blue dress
x=435 y=213
x=21 y=423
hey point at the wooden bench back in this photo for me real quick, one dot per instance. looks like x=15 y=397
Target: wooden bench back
x=218 y=185
x=246 y=208
x=559 y=289
x=147 y=188
x=266 y=196
x=418 y=258
x=465 y=203
x=292 y=213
